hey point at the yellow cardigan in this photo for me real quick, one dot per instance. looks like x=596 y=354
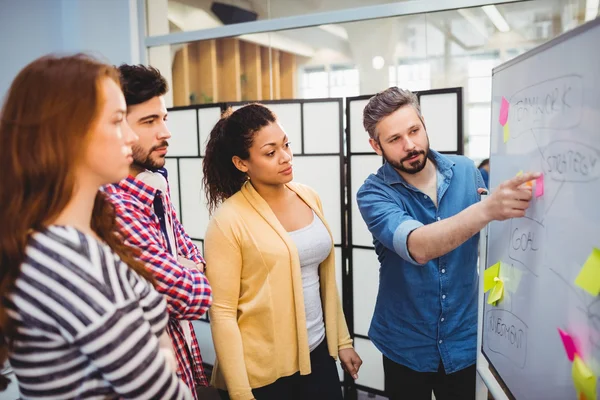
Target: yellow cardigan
x=257 y=316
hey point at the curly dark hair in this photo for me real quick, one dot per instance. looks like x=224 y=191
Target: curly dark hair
x=141 y=83
x=231 y=136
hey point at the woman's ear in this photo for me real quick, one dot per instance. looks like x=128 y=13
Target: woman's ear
x=239 y=164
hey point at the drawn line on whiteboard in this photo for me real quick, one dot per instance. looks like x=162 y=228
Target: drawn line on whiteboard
x=537 y=144
x=571 y=288
x=553 y=200
x=513 y=252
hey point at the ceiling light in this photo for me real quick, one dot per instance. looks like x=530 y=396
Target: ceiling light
x=497 y=18
x=468 y=15
x=335 y=30
x=378 y=62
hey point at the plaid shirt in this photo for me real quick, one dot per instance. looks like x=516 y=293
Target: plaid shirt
x=187 y=291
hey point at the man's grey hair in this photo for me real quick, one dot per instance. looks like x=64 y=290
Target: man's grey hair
x=385 y=103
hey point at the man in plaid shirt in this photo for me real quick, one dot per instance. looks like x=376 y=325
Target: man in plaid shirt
x=148 y=221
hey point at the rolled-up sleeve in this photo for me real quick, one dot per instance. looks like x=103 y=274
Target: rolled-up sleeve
x=387 y=220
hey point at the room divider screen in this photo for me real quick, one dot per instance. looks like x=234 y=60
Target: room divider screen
x=332 y=155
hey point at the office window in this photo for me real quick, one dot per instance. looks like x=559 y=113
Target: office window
x=337 y=81
x=414 y=76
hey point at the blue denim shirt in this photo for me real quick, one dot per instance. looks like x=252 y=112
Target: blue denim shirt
x=424 y=313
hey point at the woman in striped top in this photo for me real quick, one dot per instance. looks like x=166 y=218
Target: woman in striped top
x=79 y=317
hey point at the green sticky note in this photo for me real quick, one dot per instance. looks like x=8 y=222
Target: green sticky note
x=520 y=173
x=489 y=275
x=584 y=379
x=496 y=293
x=506 y=132
x=589 y=276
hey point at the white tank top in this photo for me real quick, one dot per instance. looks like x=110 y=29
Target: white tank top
x=314 y=245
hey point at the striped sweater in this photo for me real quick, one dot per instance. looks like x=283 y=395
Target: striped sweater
x=87 y=325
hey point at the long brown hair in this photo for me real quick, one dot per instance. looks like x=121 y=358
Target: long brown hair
x=50 y=107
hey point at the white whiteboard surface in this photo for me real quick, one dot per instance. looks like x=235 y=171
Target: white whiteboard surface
x=441 y=118
x=554 y=128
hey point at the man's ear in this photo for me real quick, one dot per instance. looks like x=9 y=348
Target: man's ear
x=239 y=164
x=375 y=145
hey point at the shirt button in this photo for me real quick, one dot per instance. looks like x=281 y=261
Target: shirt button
x=439 y=218
x=443 y=296
x=442 y=319
x=440 y=342
x=443 y=271
x=425 y=196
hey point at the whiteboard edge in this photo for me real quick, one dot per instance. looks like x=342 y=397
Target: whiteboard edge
x=559 y=39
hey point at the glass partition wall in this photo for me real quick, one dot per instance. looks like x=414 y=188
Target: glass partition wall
x=234 y=51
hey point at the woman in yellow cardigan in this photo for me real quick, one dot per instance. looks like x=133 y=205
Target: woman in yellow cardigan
x=276 y=318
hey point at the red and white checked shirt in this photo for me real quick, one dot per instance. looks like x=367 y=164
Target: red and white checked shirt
x=187 y=291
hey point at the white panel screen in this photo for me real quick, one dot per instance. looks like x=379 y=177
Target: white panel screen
x=365 y=278
x=371 y=371
x=361 y=167
x=171 y=166
x=288 y=116
x=198 y=244
x=204 y=336
x=339 y=271
x=193 y=202
x=184 y=131
x=322 y=127
x=322 y=173
x=360 y=137
x=441 y=112
x=207 y=118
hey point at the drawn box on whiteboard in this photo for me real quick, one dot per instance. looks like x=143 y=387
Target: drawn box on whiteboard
x=527 y=241
x=506 y=334
x=571 y=161
x=554 y=103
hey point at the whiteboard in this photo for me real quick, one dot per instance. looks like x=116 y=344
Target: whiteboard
x=553 y=94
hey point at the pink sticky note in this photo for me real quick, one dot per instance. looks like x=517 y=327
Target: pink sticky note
x=539 y=186
x=504 y=106
x=569 y=344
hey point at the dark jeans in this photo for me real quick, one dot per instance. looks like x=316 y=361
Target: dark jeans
x=322 y=384
x=404 y=383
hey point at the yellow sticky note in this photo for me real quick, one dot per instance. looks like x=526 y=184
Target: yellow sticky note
x=506 y=132
x=589 y=276
x=584 y=379
x=489 y=275
x=497 y=292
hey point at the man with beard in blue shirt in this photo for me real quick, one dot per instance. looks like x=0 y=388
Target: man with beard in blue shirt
x=424 y=211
